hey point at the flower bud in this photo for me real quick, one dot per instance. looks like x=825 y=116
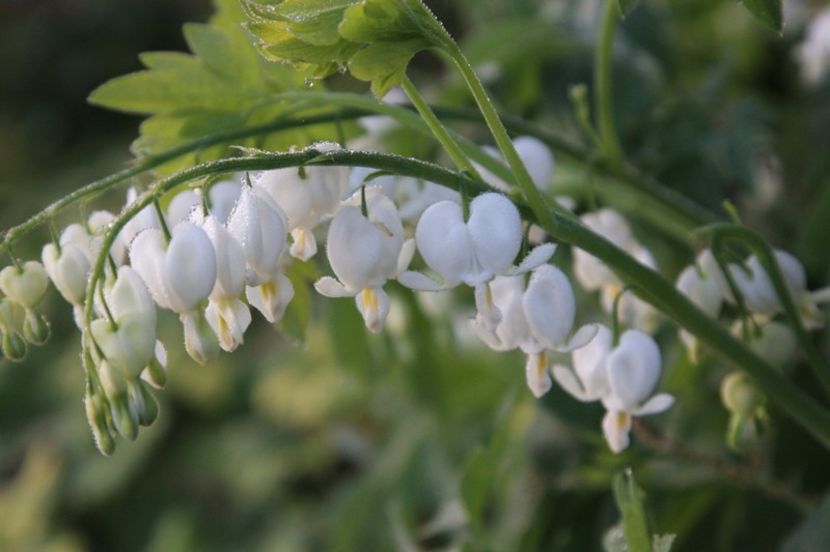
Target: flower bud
x=14 y=346
x=123 y=417
x=25 y=285
x=745 y=403
x=142 y=402
x=96 y=415
x=35 y=328
x=68 y=270
x=199 y=340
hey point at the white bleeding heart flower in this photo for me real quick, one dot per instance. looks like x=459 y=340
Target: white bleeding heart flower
x=591 y=272
x=594 y=275
x=587 y=380
x=223 y=196
x=472 y=252
x=364 y=252
x=536 y=320
x=180 y=276
x=98 y=224
x=227 y=315
x=307 y=196
x=145 y=219
x=258 y=224
x=259 y=227
x=68 y=268
x=536 y=156
x=129 y=345
x=182 y=204
x=633 y=369
x=25 y=285
x=759 y=293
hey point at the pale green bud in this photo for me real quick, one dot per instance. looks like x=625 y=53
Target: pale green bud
x=14 y=346
x=123 y=417
x=143 y=402
x=199 y=340
x=96 y=416
x=35 y=328
x=745 y=403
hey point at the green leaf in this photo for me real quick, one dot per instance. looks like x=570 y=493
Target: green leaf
x=220 y=85
x=767 y=12
x=374 y=39
x=629 y=499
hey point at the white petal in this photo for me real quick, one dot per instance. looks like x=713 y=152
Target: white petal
x=303 y=245
x=549 y=306
x=373 y=305
x=488 y=314
x=615 y=427
x=147 y=253
x=589 y=362
x=228 y=320
x=633 y=369
x=537 y=374
x=189 y=269
x=538 y=159
x=580 y=338
x=655 y=405
x=25 y=286
x=444 y=242
x=419 y=281
x=495 y=231
x=330 y=287
x=223 y=197
x=405 y=258
x=129 y=296
x=69 y=271
x=230 y=261
x=362 y=253
x=567 y=380
x=272 y=297
x=181 y=205
x=537 y=256
x=199 y=340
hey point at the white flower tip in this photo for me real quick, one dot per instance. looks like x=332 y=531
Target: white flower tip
x=538 y=377
x=615 y=427
x=329 y=287
x=304 y=245
x=373 y=304
x=418 y=281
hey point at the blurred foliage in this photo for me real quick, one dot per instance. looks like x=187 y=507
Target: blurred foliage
x=318 y=436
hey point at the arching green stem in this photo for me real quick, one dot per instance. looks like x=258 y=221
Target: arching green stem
x=682 y=210
x=653 y=287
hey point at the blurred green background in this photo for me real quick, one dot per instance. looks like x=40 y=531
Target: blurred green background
x=346 y=441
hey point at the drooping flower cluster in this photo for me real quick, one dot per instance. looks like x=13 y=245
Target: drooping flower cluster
x=217 y=252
